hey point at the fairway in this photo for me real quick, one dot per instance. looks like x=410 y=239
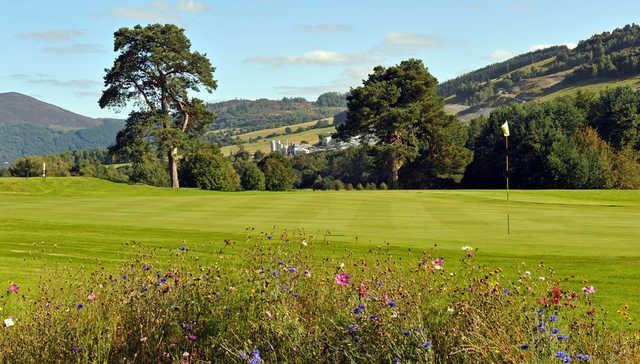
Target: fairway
x=590 y=234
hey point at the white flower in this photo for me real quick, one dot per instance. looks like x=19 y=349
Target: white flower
x=341 y=265
x=541 y=278
x=527 y=273
x=8 y=322
x=304 y=242
x=449 y=310
x=467 y=248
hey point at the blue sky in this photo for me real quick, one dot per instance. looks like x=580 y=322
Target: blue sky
x=57 y=50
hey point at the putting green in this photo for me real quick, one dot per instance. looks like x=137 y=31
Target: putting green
x=592 y=235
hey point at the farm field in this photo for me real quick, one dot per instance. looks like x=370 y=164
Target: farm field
x=585 y=235
x=264 y=145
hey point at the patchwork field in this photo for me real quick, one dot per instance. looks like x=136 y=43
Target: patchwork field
x=585 y=235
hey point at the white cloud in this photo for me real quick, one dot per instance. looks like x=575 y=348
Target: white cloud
x=401 y=43
x=324 y=28
x=160 y=10
x=192 y=6
x=39 y=79
x=350 y=77
x=78 y=48
x=501 y=55
x=54 y=35
x=315 y=57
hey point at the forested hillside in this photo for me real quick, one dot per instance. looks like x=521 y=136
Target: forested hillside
x=604 y=58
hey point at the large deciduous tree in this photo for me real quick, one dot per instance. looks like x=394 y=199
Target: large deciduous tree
x=399 y=109
x=155 y=69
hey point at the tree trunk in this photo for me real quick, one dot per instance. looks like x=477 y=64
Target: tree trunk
x=394 y=165
x=173 y=168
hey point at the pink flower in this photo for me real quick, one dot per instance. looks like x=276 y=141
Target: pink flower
x=343 y=279
x=438 y=263
x=92 y=297
x=588 y=290
x=362 y=291
x=14 y=288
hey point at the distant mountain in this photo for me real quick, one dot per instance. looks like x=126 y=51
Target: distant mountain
x=31 y=127
x=604 y=60
x=17 y=109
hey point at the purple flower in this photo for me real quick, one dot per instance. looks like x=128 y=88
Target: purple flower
x=183 y=248
x=263 y=271
x=374 y=317
x=427 y=344
x=276 y=272
x=146 y=267
x=255 y=357
x=563 y=338
x=280 y=262
x=391 y=304
x=243 y=355
x=292 y=270
x=192 y=337
x=79 y=306
x=295 y=295
x=406 y=332
x=186 y=327
x=524 y=347
x=269 y=236
x=358 y=310
x=555 y=331
x=583 y=357
x=396 y=360
x=124 y=276
x=352 y=328
x=553 y=318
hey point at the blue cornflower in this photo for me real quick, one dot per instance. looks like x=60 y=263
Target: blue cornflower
x=352 y=328
x=243 y=355
x=524 y=347
x=391 y=304
x=505 y=292
x=563 y=338
x=567 y=359
x=406 y=332
x=79 y=306
x=583 y=357
x=379 y=283
x=374 y=317
x=292 y=270
x=276 y=272
x=295 y=295
x=555 y=331
x=542 y=330
x=540 y=312
x=269 y=236
x=396 y=360
x=183 y=248
x=358 y=310
x=553 y=318
x=146 y=267
x=560 y=354
x=427 y=344
x=280 y=262
x=124 y=276
x=263 y=271
x=74 y=350
x=186 y=327
x=255 y=357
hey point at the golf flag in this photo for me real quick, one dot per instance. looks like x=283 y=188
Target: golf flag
x=505 y=129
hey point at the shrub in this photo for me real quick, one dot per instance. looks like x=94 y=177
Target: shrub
x=208 y=169
x=359 y=187
x=251 y=177
x=371 y=186
x=337 y=185
x=383 y=186
x=348 y=187
x=278 y=173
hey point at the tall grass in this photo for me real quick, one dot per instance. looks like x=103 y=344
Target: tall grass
x=276 y=302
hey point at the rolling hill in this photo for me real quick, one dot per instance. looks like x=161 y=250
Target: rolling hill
x=608 y=59
x=16 y=108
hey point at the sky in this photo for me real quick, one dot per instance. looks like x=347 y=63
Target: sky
x=57 y=51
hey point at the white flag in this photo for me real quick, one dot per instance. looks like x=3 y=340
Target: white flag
x=505 y=129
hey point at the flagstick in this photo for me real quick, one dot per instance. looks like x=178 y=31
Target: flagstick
x=506 y=143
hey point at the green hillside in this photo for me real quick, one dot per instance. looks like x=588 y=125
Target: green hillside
x=82 y=221
x=604 y=60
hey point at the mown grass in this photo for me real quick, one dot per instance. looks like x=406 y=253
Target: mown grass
x=585 y=235
x=593 y=87
x=281 y=129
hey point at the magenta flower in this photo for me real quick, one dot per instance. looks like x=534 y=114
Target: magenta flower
x=589 y=290
x=14 y=288
x=438 y=263
x=343 y=279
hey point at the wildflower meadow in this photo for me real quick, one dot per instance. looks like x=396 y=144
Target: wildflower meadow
x=272 y=298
